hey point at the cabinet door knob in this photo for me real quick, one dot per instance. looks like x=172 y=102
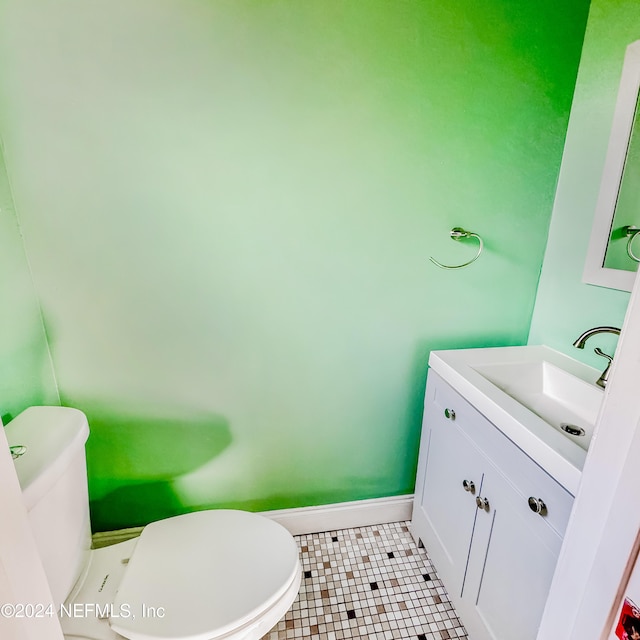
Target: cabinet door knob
x=469 y=486
x=450 y=414
x=482 y=503
x=537 y=505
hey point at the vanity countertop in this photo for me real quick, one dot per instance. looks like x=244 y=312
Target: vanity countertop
x=471 y=372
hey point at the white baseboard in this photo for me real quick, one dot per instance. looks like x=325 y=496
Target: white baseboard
x=327 y=517
x=343 y=515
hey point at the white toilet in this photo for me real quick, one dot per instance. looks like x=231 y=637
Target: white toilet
x=208 y=575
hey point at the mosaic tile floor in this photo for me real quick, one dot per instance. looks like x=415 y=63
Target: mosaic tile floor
x=368 y=582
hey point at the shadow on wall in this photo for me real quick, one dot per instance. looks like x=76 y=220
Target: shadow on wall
x=133 y=459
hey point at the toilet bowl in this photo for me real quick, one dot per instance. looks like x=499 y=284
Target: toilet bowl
x=207 y=575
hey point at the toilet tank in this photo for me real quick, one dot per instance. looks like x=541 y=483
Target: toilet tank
x=53 y=476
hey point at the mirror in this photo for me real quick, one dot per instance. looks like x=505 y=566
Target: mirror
x=614 y=249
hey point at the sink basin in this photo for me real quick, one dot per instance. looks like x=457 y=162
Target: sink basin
x=544 y=401
x=566 y=402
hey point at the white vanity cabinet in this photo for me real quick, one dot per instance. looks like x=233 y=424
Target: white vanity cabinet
x=491 y=519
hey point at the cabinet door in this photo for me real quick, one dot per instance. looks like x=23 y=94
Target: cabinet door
x=449 y=508
x=512 y=560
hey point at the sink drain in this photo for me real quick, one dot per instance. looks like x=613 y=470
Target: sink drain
x=571 y=429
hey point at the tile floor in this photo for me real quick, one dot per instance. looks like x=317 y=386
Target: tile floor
x=368 y=582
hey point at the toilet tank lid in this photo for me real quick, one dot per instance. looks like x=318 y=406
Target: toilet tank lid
x=52 y=436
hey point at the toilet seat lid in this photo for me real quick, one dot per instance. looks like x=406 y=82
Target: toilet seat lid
x=203 y=574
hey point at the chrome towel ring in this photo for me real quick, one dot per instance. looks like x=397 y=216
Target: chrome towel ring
x=457 y=233
x=631 y=233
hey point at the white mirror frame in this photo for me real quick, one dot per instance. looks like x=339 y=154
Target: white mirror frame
x=594 y=270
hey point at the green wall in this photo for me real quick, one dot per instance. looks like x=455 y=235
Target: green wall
x=26 y=375
x=565 y=306
x=229 y=207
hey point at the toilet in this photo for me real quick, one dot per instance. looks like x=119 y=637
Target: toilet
x=207 y=575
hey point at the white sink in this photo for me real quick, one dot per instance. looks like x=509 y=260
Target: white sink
x=567 y=403
x=544 y=401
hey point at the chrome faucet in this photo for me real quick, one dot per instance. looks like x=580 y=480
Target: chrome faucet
x=582 y=340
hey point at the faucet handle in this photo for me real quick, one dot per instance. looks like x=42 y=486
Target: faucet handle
x=602 y=380
x=599 y=352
